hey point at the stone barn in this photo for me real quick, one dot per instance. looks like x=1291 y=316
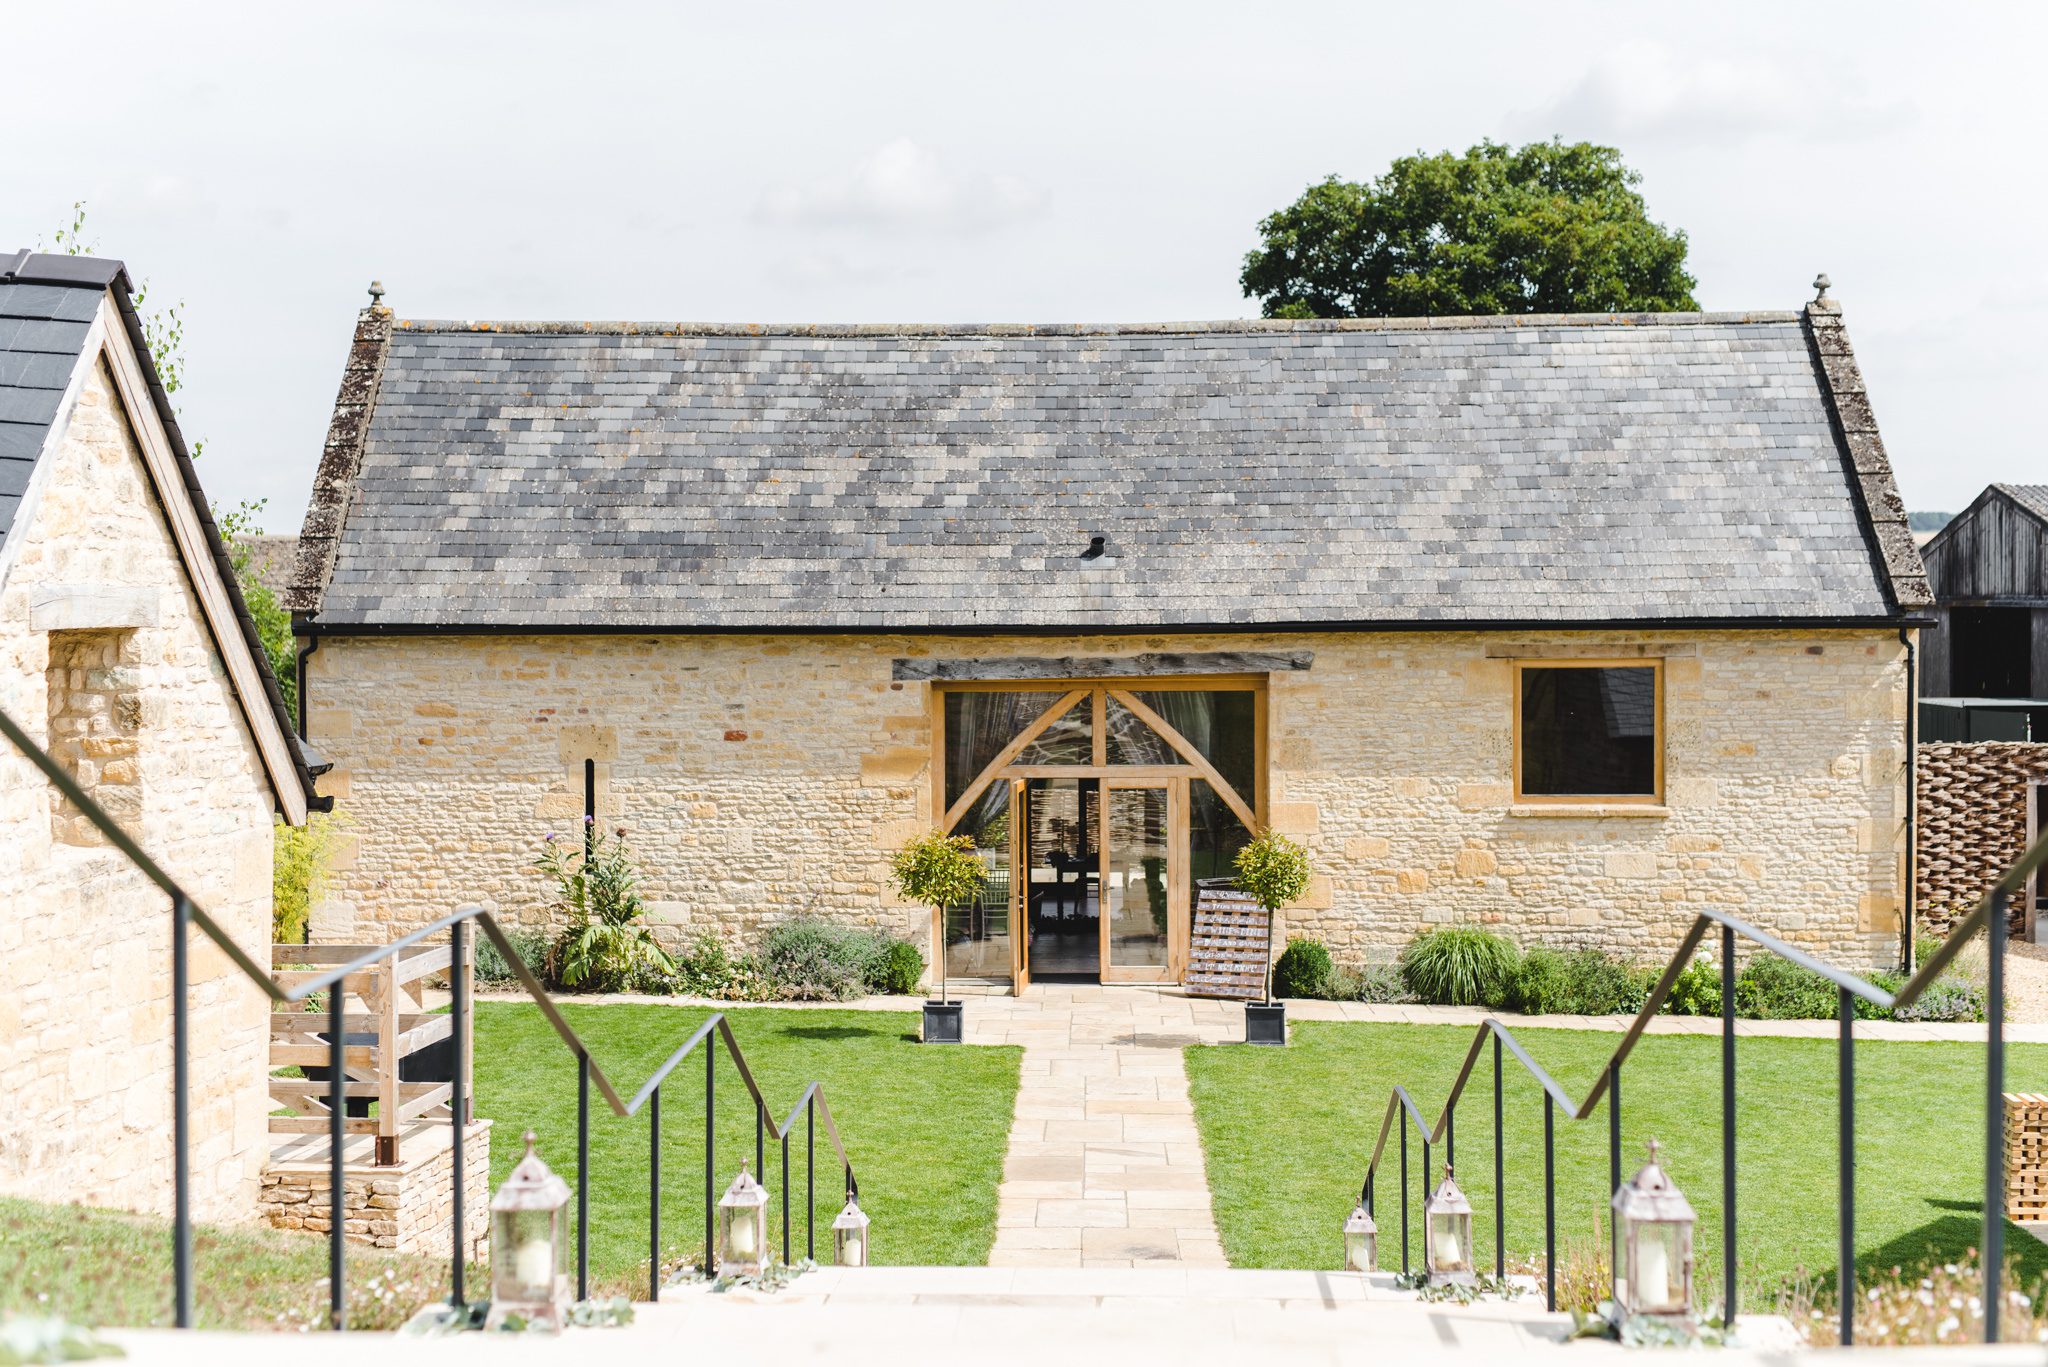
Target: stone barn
x=125 y=651
x=1561 y=625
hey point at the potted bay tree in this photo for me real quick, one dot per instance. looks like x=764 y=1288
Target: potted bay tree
x=1275 y=871
x=940 y=870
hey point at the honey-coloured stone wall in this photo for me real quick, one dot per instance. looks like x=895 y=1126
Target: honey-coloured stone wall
x=85 y=939
x=763 y=777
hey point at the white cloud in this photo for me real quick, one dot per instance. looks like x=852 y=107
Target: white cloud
x=903 y=184
x=1646 y=91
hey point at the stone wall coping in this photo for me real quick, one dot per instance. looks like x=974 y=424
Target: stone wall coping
x=418 y=1147
x=1593 y=810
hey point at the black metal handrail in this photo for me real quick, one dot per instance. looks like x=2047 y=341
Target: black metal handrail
x=1990 y=915
x=186 y=912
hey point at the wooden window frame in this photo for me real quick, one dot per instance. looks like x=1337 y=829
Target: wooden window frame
x=1654 y=798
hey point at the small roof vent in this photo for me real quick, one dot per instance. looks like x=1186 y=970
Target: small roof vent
x=1098 y=546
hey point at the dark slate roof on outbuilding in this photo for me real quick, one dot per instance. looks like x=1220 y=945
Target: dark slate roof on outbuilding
x=1583 y=469
x=47 y=305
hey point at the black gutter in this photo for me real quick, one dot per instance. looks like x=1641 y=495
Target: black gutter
x=309 y=626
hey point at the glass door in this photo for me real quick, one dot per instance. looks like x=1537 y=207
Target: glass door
x=1141 y=840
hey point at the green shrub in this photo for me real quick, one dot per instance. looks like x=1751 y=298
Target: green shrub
x=1460 y=966
x=1304 y=969
x=1951 y=997
x=808 y=959
x=1771 y=988
x=529 y=945
x=603 y=949
x=1697 y=992
x=896 y=969
x=298 y=866
x=1581 y=982
x=709 y=969
x=1375 y=984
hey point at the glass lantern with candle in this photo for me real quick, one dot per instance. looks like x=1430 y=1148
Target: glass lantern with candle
x=526 y=1245
x=1447 y=1233
x=743 y=1227
x=1361 y=1241
x=850 y=1235
x=1653 y=1224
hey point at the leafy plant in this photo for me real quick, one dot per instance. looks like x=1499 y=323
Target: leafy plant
x=1581 y=982
x=1461 y=966
x=490 y=966
x=1374 y=984
x=1274 y=870
x=809 y=959
x=896 y=970
x=603 y=949
x=1304 y=969
x=300 y=856
x=939 y=870
x=1771 y=988
x=1696 y=991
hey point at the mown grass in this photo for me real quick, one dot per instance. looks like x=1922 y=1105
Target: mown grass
x=1287 y=1133
x=927 y=1128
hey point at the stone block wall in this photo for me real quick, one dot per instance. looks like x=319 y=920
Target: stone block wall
x=763 y=777
x=85 y=1054
x=1973 y=823
x=408 y=1207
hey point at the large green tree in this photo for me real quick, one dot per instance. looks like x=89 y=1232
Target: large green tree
x=1552 y=227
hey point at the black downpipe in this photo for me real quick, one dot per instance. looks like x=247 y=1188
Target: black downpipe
x=1911 y=901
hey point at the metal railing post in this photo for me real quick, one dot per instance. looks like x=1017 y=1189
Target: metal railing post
x=582 y=1174
x=1845 y=1275
x=1995 y=932
x=1728 y=1125
x=710 y=1161
x=1404 y=1194
x=810 y=1178
x=337 y=1188
x=1500 y=1204
x=1613 y=1160
x=785 y=1200
x=1424 y=1207
x=181 y=1117
x=654 y=1195
x=1549 y=1202
x=458 y=1089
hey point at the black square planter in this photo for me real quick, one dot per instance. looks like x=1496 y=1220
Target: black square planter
x=942 y=1022
x=1265 y=1022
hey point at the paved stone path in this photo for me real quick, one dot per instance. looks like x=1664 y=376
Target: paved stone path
x=1105 y=1167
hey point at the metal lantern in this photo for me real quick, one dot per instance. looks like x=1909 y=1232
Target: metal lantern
x=526 y=1245
x=743 y=1227
x=1653 y=1225
x=1361 y=1241
x=850 y=1235
x=1447 y=1233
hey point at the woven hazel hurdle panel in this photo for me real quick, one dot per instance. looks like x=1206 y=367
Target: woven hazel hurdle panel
x=1973 y=823
x=1227 y=953
x=2026 y=1157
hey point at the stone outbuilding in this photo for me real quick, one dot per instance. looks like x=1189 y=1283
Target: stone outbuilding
x=127 y=652
x=1562 y=625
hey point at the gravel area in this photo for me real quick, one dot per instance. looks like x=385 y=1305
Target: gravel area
x=2026 y=983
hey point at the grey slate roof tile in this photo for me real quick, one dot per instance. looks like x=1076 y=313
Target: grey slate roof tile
x=1655 y=467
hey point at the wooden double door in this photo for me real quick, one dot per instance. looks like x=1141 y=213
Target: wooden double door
x=1098 y=889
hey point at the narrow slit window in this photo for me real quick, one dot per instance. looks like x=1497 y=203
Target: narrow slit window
x=1589 y=732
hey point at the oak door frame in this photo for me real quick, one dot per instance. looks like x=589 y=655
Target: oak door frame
x=1176 y=845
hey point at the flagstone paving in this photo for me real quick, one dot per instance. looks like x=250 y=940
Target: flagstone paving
x=1105 y=1166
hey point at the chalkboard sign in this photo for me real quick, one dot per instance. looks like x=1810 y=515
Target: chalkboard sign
x=1227 y=953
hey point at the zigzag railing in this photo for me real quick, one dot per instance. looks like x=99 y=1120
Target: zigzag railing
x=186 y=913
x=1989 y=915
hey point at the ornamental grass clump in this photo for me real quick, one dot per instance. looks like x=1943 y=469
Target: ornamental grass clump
x=604 y=948
x=1461 y=966
x=939 y=871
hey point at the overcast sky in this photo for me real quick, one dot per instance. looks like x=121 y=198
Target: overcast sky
x=971 y=162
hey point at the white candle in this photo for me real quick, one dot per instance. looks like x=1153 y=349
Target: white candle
x=532 y=1263
x=855 y=1254
x=743 y=1238
x=1653 y=1275
x=1447 y=1248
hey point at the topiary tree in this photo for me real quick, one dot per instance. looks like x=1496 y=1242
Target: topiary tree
x=939 y=870
x=1275 y=871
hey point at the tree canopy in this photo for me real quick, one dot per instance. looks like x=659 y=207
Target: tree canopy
x=1552 y=227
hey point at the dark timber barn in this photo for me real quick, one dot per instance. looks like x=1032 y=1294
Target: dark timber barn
x=1988 y=570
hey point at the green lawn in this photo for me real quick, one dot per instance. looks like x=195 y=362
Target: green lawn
x=106 y=1268
x=1287 y=1133
x=926 y=1127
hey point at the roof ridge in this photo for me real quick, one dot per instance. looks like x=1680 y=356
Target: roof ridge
x=1213 y=327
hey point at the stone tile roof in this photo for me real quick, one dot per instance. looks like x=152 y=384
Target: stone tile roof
x=2032 y=497
x=1556 y=469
